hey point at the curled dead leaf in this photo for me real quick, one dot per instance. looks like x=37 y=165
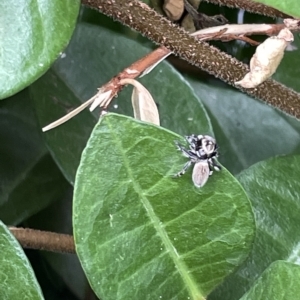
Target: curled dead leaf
x=144 y=107
x=266 y=59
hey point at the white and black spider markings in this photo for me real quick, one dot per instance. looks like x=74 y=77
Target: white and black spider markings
x=202 y=152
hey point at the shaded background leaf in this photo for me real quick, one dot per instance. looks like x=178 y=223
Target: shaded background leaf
x=30 y=180
x=16 y=275
x=274 y=190
x=33 y=33
x=290 y=7
x=280 y=281
x=149 y=235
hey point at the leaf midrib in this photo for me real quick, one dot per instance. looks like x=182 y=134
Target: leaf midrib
x=181 y=267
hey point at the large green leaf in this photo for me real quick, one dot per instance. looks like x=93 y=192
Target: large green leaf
x=280 y=281
x=290 y=7
x=32 y=35
x=94 y=56
x=17 y=280
x=30 y=180
x=273 y=187
x=140 y=233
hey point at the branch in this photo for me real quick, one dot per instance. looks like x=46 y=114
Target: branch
x=44 y=240
x=140 y=17
x=251 y=6
x=248 y=29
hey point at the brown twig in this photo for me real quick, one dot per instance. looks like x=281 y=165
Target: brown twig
x=241 y=38
x=248 y=29
x=44 y=240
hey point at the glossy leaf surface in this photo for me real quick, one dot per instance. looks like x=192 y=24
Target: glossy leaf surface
x=17 y=279
x=280 y=281
x=274 y=190
x=33 y=33
x=97 y=53
x=140 y=233
x=290 y=7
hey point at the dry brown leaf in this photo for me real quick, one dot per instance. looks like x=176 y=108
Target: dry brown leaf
x=144 y=107
x=174 y=9
x=266 y=59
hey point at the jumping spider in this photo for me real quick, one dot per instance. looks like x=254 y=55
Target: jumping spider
x=202 y=151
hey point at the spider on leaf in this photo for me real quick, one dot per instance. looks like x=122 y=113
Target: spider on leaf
x=203 y=151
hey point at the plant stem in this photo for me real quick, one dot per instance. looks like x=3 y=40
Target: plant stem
x=44 y=240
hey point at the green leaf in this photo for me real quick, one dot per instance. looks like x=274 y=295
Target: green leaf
x=17 y=279
x=33 y=33
x=290 y=7
x=280 y=281
x=30 y=180
x=274 y=189
x=95 y=55
x=142 y=234
x=244 y=127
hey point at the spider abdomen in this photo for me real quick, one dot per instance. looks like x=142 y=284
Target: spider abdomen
x=201 y=173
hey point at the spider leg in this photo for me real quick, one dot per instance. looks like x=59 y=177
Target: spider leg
x=191 y=138
x=211 y=170
x=194 y=141
x=213 y=164
x=185 y=167
x=187 y=153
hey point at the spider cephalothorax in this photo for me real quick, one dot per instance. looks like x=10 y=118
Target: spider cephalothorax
x=203 y=152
